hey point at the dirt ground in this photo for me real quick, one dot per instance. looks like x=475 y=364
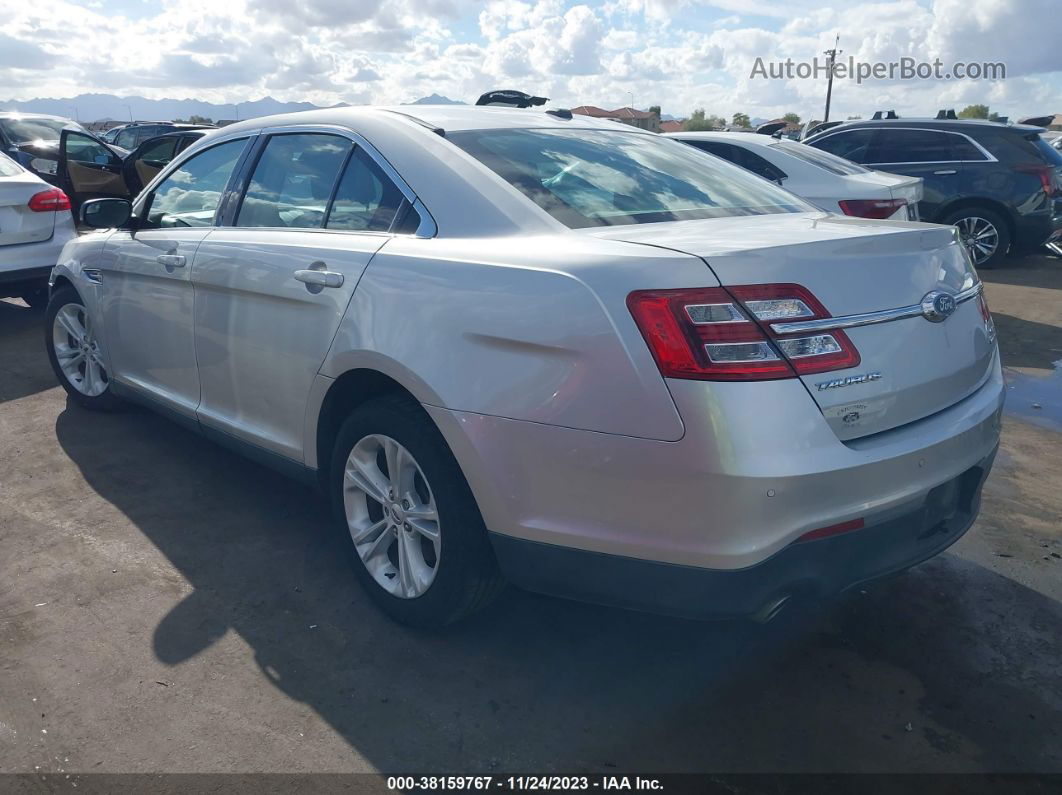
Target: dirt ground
x=168 y=606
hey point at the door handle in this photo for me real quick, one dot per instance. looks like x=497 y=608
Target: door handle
x=320 y=278
x=946 y=171
x=171 y=260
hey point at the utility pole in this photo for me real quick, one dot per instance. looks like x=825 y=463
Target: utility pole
x=128 y=108
x=832 y=53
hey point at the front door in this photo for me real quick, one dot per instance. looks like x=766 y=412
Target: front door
x=148 y=296
x=272 y=289
x=88 y=169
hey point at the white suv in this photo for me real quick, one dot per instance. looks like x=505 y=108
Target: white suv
x=573 y=354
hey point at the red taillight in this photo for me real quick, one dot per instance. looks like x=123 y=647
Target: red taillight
x=1046 y=175
x=49 y=201
x=872 y=208
x=832 y=530
x=723 y=334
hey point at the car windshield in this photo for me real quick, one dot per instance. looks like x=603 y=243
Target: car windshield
x=589 y=178
x=817 y=157
x=24 y=131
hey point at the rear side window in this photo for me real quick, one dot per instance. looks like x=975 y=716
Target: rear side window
x=366 y=199
x=586 y=178
x=740 y=156
x=964 y=149
x=853 y=145
x=910 y=146
x=816 y=157
x=8 y=167
x=293 y=181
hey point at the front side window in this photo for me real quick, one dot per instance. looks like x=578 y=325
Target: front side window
x=293 y=181
x=586 y=178
x=820 y=158
x=366 y=199
x=190 y=195
x=82 y=148
x=853 y=145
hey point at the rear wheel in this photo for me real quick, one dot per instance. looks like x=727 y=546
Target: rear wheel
x=984 y=233
x=76 y=353
x=409 y=522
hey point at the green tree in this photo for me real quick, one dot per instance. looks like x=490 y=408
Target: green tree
x=854 y=117
x=698 y=121
x=194 y=119
x=791 y=117
x=655 y=109
x=974 y=112
x=741 y=120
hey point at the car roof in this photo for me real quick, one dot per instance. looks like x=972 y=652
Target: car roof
x=449 y=118
x=956 y=125
x=17 y=114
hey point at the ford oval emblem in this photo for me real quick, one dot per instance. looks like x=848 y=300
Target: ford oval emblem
x=938 y=306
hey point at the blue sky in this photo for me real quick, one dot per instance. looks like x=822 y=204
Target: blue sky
x=681 y=54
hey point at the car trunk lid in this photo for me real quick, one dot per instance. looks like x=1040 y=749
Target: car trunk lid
x=910 y=367
x=18 y=223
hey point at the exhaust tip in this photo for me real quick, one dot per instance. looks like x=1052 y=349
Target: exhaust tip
x=771 y=609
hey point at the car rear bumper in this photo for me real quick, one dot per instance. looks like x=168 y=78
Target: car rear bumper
x=757 y=468
x=802 y=570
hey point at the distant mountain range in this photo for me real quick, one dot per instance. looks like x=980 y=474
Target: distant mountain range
x=98 y=107
x=436 y=99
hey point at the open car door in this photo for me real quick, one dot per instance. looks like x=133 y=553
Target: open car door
x=147 y=160
x=89 y=169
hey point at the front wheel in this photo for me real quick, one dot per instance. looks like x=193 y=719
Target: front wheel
x=409 y=522
x=76 y=353
x=984 y=233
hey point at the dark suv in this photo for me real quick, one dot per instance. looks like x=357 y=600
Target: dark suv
x=132 y=135
x=1000 y=184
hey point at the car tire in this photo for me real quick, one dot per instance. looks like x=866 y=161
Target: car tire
x=68 y=336
x=987 y=226
x=421 y=572
x=37 y=298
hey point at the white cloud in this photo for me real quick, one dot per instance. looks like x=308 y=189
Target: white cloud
x=678 y=53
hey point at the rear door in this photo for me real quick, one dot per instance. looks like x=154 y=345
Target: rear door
x=272 y=287
x=147 y=294
x=88 y=168
x=928 y=154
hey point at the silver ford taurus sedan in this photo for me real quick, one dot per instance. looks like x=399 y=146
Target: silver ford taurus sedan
x=523 y=346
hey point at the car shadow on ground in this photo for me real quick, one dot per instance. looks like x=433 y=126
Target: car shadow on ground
x=1027 y=343
x=948 y=667
x=22 y=351
x=1032 y=270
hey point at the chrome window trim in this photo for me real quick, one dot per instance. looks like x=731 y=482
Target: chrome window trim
x=869 y=318
x=989 y=157
x=427 y=228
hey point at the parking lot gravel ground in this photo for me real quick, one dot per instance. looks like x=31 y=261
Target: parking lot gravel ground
x=166 y=606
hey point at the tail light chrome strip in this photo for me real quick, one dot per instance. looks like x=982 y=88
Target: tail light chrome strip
x=868 y=318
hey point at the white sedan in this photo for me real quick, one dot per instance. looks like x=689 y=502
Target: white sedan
x=827 y=181
x=35 y=223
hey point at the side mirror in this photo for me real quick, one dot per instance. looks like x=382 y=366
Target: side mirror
x=106 y=213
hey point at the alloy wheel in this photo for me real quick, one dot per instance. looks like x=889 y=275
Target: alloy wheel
x=980 y=237
x=77 y=350
x=391 y=516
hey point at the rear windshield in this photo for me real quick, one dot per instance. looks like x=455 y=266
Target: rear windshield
x=817 y=157
x=24 y=131
x=589 y=178
x=8 y=167
x=1048 y=152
